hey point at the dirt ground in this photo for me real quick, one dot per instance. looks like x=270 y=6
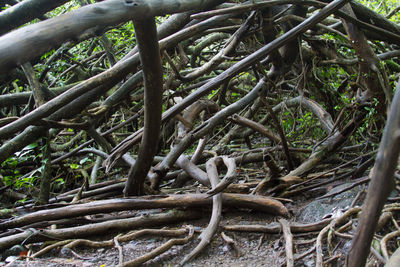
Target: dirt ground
x=255 y=249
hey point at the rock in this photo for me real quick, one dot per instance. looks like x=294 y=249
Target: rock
x=317 y=209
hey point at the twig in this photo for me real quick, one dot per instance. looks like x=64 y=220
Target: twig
x=69 y=253
x=357 y=197
x=318 y=245
x=280 y=131
x=126 y=238
x=48 y=248
x=120 y=251
x=331 y=170
x=305 y=254
x=260 y=242
x=333 y=258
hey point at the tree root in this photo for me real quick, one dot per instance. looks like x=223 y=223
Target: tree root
x=28 y=236
x=288 y=242
x=161 y=249
x=261 y=203
x=212 y=227
x=326 y=229
x=275 y=228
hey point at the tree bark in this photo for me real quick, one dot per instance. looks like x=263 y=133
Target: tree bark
x=146 y=35
x=382 y=183
x=260 y=203
x=27 y=43
x=25 y=11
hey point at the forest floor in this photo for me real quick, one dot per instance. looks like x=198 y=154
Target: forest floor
x=253 y=249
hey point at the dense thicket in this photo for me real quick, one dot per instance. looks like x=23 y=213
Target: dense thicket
x=98 y=91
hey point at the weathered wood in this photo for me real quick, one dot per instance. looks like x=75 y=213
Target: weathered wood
x=22 y=98
x=159 y=250
x=281 y=133
x=32 y=235
x=94 y=86
x=149 y=51
x=260 y=203
x=372 y=73
x=382 y=183
x=326 y=148
x=288 y=242
x=25 y=11
x=212 y=227
x=192 y=170
x=276 y=228
x=207 y=126
x=235 y=69
x=258 y=127
x=27 y=43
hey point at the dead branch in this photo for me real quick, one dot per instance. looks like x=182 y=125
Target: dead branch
x=241 y=65
x=282 y=135
x=261 y=203
x=256 y=127
x=97 y=17
x=108 y=243
x=330 y=145
x=192 y=170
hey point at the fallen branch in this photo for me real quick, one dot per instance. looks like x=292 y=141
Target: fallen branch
x=260 y=203
x=330 y=145
x=360 y=181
